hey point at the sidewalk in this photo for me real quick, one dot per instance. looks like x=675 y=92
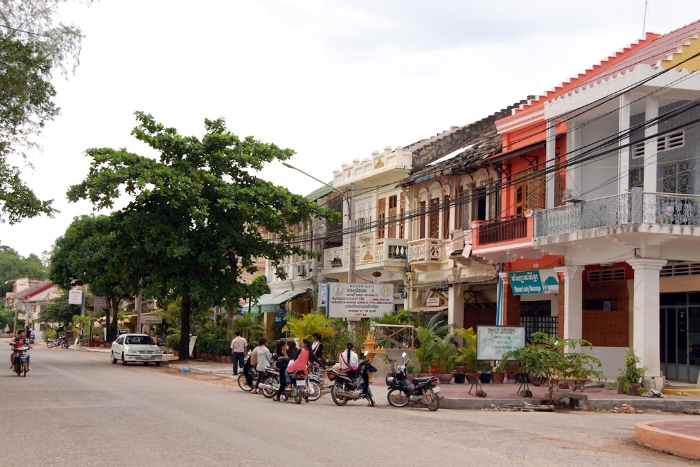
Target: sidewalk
x=457 y=395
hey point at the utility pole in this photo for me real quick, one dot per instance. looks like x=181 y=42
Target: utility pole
x=353 y=234
x=137 y=305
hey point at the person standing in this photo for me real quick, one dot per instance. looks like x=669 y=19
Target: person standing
x=317 y=346
x=238 y=345
x=264 y=359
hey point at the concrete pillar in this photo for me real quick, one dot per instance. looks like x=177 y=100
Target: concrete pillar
x=573 y=301
x=646 y=328
x=650 y=148
x=455 y=305
x=551 y=149
x=511 y=304
x=623 y=163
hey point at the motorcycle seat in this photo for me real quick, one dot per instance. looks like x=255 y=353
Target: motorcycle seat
x=422 y=380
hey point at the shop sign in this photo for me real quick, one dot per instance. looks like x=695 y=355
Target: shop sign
x=432 y=301
x=538 y=281
x=75 y=297
x=151 y=320
x=360 y=300
x=492 y=342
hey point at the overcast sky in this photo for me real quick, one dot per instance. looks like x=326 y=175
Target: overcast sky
x=332 y=80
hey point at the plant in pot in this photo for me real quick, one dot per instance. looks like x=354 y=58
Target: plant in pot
x=173 y=342
x=428 y=337
x=499 y=373
x=466 y=355
x=632 y=373
x=445 y=353
x=548 y=357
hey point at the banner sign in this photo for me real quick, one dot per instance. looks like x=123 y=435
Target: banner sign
x=75 y=297
x=538 y=281
x=492 y=342
x=323 y=295
x=360 y=300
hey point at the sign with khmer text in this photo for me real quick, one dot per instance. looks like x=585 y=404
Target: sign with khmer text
x=494 y=341
x=533 y=282
x=360 y=300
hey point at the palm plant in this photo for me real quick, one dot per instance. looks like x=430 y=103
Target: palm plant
x=304 y=326
x=466 y=355
x=250 y=326
x=431 y=336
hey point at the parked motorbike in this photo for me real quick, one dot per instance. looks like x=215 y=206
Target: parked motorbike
x=21 y=360
x=249 y=377
x=345 y=388
x=60 y=341
x=423 y=392
x=297 y=391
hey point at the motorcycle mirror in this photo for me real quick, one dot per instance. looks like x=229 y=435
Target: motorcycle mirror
x=366 y=353
x=403 y=355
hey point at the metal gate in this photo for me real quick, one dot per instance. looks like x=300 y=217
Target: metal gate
x=680 y=336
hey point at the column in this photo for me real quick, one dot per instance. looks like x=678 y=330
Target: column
x=573 y=301
x=551 y=149
x=650 y=148
x=645 y=319
x=623 y=163
x=455 y=305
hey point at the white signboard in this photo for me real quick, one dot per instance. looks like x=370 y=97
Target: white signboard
x=360 y=300
x=494 y=341
x=151 y=320
x=432 y=301
x=75 y=297
x=323 y=295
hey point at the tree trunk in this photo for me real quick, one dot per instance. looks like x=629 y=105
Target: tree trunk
x=185 y=326
x=114 y=308
x=108 y=321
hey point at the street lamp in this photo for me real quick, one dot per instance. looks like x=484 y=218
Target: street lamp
x=351 y=265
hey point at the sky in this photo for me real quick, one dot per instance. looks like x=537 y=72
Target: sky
x=332 y=80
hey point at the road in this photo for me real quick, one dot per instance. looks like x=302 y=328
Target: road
x=76 y=409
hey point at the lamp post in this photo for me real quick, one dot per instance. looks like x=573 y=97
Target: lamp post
x=351 y=264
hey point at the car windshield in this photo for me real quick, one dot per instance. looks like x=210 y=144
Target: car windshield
x=139 y=340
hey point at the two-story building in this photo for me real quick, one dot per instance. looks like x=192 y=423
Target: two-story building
x=600 y=199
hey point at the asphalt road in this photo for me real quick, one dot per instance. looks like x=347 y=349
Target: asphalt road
x=76 y=409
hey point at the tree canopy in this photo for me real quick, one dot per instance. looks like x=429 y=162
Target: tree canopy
x=13 y=266
x=58 y=311
x=191 y=227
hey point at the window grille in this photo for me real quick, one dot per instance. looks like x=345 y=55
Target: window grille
x=546 y=324
x=669 y=141
x=606 y=275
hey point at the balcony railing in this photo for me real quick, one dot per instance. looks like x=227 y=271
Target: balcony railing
x=426 y=250
x=635 y=207
x=502 y=231
x=385 y=249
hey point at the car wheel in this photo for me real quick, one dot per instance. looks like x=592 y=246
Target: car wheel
x=123 y=361
x=157 y=363
x=114 y=360
x=146 y=363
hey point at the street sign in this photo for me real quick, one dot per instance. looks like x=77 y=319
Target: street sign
x=75 y=297
x=360 y=300
x=99 y=302
x=151 y=320
x=494 y=341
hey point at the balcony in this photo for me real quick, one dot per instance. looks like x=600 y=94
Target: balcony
x=372 y=252
x=426 y=250
x=504 y=240
x=628 y=208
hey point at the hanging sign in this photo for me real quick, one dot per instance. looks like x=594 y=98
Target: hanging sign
x=538 y=281
x=75 y=297
x=494 y=341
x=360 y=300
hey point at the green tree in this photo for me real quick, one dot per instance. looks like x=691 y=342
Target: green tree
x=13 y=266
x=556 y=359
x=88 y=254
x=58 y=311
x=31 y=46
x=190 y=228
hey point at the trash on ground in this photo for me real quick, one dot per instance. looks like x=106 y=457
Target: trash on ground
x=185 y=370
x=626 y=408
x=691 y=411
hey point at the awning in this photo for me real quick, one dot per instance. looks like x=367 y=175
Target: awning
x=270 y=303
x=428 y=309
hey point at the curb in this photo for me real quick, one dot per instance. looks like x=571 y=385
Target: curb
x=656 y=437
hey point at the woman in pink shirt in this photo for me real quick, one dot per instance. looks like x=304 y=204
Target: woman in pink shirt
x=302 y=359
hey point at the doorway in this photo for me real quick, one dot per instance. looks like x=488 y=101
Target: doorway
x=680 y=336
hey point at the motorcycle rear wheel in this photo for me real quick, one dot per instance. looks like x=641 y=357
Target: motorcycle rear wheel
x=64 y=345
x=243 y=383
x=25 y=369
x=270 y=381
x=535 y=378
x=338 y=399
x=430 y=400
x=314 y=391
x=397 y=398
x=18 y=367
x=49 y=344
x=297 y=395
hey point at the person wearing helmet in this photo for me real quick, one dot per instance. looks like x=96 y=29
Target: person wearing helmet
x=349 y=360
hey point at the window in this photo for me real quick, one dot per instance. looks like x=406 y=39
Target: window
x=422 y=220
x=479 y=204
x=462 y=220
x=434 y=218
x=381 y=217
x=604 y=304
x=663 y=143
x=446 y=217
x=636 y=177
x=675 y=177
x=391 y=227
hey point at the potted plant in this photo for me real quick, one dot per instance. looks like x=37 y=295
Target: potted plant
x=466 y=355
x=633 y=373
x=445 y=353
x=484 y=368
x=173 y=342
x=428 y=336
x=499 y=373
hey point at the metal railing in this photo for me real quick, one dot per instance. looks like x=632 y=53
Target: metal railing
x=503 y=231
x=426 y=250
x=385 y=249
x=635 y=207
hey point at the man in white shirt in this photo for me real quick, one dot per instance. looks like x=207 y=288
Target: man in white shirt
x=264 y=359
x=238 y=345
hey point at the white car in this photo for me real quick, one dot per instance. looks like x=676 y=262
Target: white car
x=136 y=348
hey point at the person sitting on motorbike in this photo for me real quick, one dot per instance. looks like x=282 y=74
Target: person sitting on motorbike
x=16 y=343
x=349 y=361
x=281 y=362
x=304 y=356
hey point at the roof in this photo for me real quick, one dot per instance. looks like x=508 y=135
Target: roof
x=33 y=290
x=320 y=192
x=270 y=302
x=480 y=140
